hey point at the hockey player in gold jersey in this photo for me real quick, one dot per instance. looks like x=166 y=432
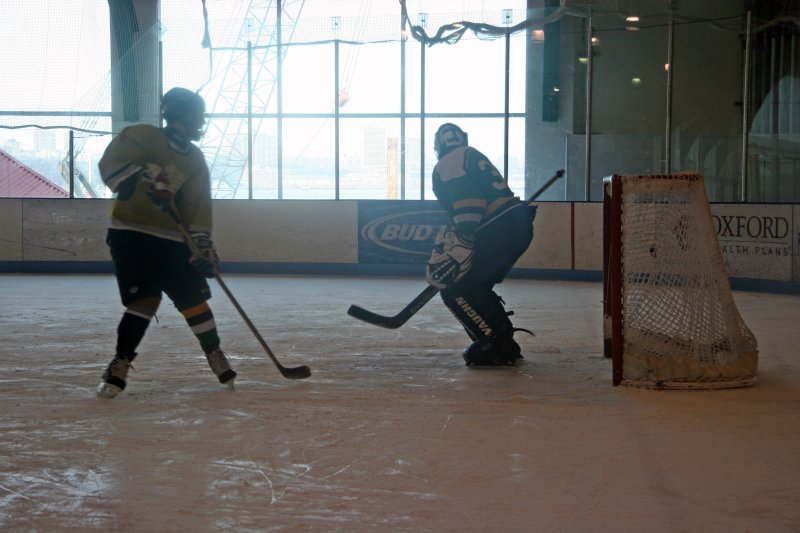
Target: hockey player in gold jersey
x=150 y=168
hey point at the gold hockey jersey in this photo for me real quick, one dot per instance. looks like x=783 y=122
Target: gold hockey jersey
x=120 y=167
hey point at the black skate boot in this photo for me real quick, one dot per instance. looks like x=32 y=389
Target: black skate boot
x=503 y=351
x=220 y=366
x=114 y=377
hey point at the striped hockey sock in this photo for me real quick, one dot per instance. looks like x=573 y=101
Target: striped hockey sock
x=201 y=321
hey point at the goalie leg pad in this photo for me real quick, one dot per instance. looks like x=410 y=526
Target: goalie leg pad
x=488 y=325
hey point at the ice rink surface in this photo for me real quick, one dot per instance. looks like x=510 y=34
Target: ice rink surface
x=391 y=432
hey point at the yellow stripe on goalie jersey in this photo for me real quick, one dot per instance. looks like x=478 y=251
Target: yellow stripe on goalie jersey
x=468 y=211
x=497 y=204
x=467 y=203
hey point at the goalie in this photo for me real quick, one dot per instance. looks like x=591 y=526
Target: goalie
x=492 y=228
x=148 y=169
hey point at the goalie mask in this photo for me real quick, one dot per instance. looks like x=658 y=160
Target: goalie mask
x=186 y=107
x=448 y=137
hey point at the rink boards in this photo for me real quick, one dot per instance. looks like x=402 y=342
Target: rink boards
x=759 y=241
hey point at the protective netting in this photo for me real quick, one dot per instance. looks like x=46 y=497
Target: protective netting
x=447 y=22
x=60 y=69
x=56 y=89
x=681 y=326
x=89 y=68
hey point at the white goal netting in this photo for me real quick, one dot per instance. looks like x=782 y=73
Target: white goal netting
x=680 y=324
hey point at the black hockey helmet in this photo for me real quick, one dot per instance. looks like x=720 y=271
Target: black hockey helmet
x=448 y=137
x=182 y=105
x=185 y=112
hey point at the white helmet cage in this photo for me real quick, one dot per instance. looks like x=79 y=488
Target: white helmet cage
x=449 y=137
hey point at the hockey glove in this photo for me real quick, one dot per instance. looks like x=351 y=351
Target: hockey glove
x=164 y=183
x=207 y=263
x=451 y=259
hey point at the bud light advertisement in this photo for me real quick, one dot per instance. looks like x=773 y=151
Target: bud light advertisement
x=399 y=232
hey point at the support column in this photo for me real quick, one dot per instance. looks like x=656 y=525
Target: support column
x=135 y=62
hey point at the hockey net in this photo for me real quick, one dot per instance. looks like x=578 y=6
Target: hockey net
x=670 y=317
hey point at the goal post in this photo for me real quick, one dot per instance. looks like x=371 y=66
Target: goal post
x=670 y=320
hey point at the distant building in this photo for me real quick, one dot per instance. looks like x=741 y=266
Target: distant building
x=44 y=141
x=374 y=139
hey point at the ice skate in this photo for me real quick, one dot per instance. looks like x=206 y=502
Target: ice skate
x=114 y=378
x=220 y=366
x=498 y=352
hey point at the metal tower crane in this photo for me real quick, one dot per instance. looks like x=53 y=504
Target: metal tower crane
x=264 y=26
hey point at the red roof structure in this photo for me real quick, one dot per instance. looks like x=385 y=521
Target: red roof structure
x=17 y=180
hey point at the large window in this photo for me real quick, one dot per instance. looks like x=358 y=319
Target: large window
x=331 y=100
x=54 y=90
x=341 y=105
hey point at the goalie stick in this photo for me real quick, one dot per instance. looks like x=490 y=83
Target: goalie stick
x=297 y=372
x=548 y=183
x=394 y=322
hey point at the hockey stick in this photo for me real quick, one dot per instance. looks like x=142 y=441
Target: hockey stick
x=394 y=322
x=537 y=194
x=297 y=372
